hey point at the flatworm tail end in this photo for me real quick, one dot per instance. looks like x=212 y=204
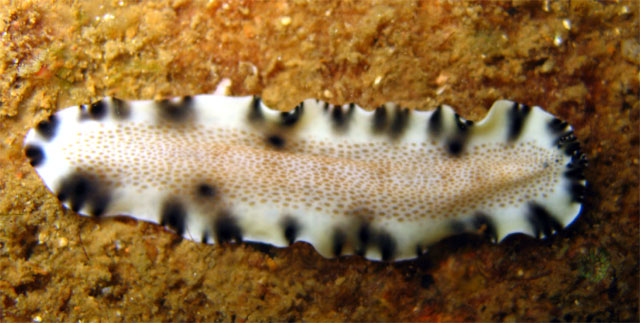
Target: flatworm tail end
x=540 y=210
x=384 y=184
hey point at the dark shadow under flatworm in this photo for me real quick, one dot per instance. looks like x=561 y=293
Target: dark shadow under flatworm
x=264 y=248
x=174 y=216
x=226 y=229
x=426 y=281
x=35 y=155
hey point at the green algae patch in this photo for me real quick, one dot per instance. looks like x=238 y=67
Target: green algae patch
x=595 y=265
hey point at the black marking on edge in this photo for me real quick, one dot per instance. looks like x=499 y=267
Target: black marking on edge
x=98 y=110
x=542 y=222
x=291 y=229
x=576 y=173
x=577 y=191
x=174 y=216
x=578 y=161
x=364 y=236
x=572 y=148
x=400 y=121
x=341 y=118
x=484 y=224
x=457 y=227
x=47 y=128
x=255 y=111
x=556 y=125
x=338 y=240
x=77 y=189
x=565 y=138
x=176 y=111
x=337 y=116
x=82 y=190
x=570 y=145
x=121 y=109
x=35 y=155
x=387 y=245
x=455 y=145
x=435 y=122
x=462 y=125
x=380 y=119
x=206 y=190
x=226 y=229
x=205 y=237
x=99 y=204
x=276 y=141
x=517 y=116
x=290 y=118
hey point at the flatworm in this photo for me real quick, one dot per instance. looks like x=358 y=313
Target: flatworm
x=384 y=184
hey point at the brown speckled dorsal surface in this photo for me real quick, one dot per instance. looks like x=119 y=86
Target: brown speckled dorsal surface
x=578 y=59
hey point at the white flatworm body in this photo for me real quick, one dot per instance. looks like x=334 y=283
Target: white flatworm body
x=384 y=184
